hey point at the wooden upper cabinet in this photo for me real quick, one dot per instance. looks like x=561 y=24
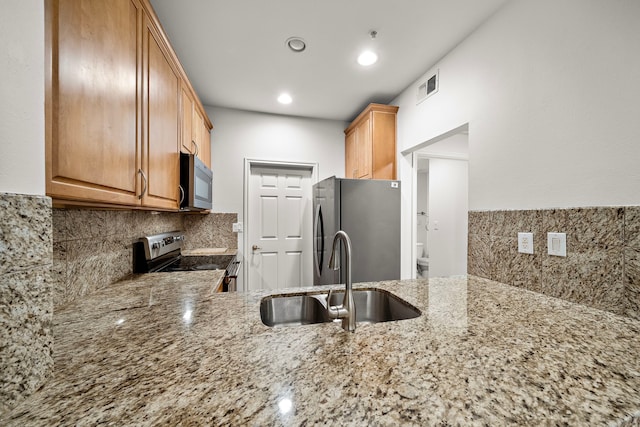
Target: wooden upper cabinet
x=114 y=121
x=370 y=144
x=161 y=153
x=202 y=138
x=187 y=107
x=196 y=131
x=195 y=128
x=205 y=153
x=93 y=76
x=363 y=149
x=350 y=165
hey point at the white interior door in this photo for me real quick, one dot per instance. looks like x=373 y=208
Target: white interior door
x=279 y=223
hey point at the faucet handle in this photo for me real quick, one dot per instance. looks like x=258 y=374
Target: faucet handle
x=329 y=298
x=332 y=311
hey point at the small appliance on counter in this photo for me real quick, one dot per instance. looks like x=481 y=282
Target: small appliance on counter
x=161 y=253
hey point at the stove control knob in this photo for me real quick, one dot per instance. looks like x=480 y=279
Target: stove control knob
x=155 y=245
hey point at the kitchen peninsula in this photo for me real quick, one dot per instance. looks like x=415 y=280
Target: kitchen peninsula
x=166 y=350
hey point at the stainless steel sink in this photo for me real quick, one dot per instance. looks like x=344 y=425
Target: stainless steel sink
x=375 y=305
x=372 y=306
x=292 y=311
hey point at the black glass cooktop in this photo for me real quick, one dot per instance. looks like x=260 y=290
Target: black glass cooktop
x=194 y=263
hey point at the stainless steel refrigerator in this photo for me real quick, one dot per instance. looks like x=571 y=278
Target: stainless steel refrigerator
x=369 y=212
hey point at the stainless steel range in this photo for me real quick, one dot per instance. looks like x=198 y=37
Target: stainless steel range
x=161 y=253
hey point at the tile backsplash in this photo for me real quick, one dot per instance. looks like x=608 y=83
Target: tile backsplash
x=49 y=257
x=210 y=231
x=602 y=266
x=26 y=308
x=93 y=248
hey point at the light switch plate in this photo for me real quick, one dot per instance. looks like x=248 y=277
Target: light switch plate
x=557 y=244
x=525 y=243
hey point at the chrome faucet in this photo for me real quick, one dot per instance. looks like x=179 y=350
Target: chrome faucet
x=347 y=310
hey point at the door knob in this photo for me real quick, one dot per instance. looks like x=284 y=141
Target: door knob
x=255 y=247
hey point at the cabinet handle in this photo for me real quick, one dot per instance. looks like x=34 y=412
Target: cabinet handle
x=197 y=148
x=181 y=195
x=144 y=188
x=256 y=247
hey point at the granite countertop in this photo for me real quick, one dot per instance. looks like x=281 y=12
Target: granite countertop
x=166 y=350
x=208 y=252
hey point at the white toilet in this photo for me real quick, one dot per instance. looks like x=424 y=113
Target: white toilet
x=422 y=261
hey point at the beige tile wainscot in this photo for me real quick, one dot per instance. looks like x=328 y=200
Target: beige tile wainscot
x=165 y=349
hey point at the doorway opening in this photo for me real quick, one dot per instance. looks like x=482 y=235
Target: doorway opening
x=278 y=245
x=440 y=204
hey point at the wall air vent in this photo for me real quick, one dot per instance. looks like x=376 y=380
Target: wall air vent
x=427 y=87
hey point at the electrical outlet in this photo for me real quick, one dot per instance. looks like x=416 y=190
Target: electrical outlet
x=557 y=244
x=525 y=243
x=237 y=227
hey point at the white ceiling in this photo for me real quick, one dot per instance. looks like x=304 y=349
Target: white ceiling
x=235 y=55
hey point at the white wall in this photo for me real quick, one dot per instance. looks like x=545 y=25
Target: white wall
x=550 y=91
x=422 y=205
x=448 y=208
x=22 y=97
x=242 y=134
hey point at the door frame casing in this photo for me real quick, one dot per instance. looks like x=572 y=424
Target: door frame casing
x=248 y=164
x=414 y=154
x=414 y=224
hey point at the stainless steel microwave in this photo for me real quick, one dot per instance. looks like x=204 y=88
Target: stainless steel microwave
x=196 y=184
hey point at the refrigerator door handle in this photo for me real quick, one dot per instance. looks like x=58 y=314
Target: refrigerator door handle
x=318 y=223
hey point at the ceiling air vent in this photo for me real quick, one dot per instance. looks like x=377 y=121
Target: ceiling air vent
x=427 y=87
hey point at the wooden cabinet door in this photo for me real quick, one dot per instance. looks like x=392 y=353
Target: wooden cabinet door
x=195 y=134
x=160 y=153
x=202 y=138
x=205 y=154
x=92 y=81
x=383 y=162
x=363 y=149
x=197 y=125
x=370 y=144
x=187 y=144
x=350 y=162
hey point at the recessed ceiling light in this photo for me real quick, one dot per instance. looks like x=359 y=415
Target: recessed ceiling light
x=296 y=44
x=285 y=98
x=367 y=58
